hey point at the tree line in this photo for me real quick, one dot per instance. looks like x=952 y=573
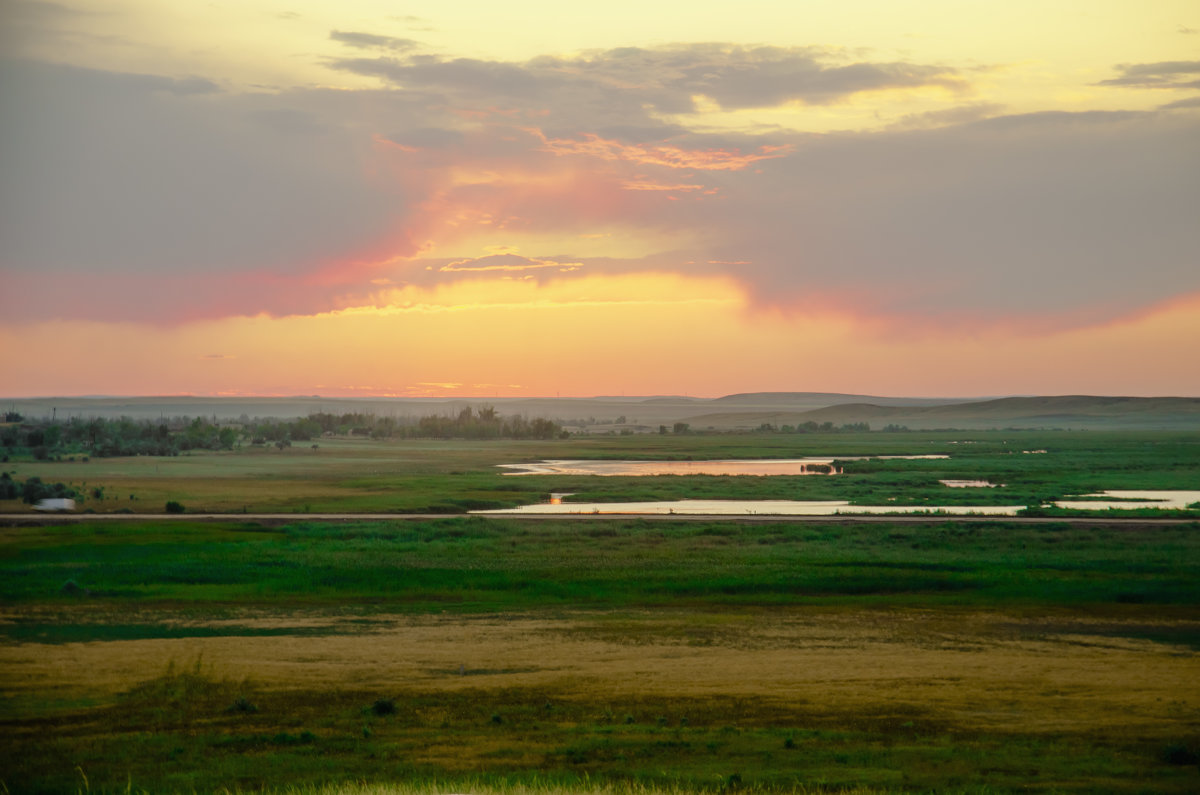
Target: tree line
x=50 y=439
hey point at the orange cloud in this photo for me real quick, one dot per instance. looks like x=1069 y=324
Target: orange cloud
x=648 y=184
x=506 y=262
x=390 y=144
x=657 y=154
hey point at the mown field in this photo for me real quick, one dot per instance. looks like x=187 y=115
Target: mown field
x=472 y=654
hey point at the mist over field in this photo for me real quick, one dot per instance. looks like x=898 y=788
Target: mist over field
x=742 y=411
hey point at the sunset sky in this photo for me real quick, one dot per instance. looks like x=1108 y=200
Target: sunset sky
x=468 y=198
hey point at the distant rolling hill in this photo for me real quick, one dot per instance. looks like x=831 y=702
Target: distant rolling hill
x=731 y=412
x=1067 y=411
x=792 y=399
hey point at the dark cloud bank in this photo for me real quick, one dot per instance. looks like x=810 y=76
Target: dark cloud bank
x=152 y=183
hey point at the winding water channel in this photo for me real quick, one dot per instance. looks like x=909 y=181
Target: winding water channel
x=813 y=465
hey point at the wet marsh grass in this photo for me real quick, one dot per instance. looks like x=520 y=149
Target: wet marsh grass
x=479 y=565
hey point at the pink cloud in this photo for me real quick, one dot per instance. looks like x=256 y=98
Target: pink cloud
x=507 y=263
x=663 y=154
x=649 y=184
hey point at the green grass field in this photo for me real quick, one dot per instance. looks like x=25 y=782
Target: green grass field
x=485 y=565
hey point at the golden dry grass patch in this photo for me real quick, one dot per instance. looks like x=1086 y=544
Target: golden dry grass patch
x=977 y=671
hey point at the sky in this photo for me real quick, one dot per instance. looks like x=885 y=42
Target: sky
x=373 y=198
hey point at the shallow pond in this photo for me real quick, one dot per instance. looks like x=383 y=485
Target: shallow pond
x=1129 y=500
x=754 y=507
x=1126 y=500
x=969 y=484
x=764 y=467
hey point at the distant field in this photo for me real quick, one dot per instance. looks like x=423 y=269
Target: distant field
x=455 y=476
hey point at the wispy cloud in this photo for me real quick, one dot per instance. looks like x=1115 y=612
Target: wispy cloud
x=372 y=41
x=666 y=80
x=643 y=183
x=507 y=263
x=1164 y=74
x=1190 y=102
x=959 y=114
x=663 y=154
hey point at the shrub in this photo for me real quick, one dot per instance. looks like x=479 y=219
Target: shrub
x=36 y=490
x=72 y=588
x=384 y=706
x=243 y=705
x=175 y=507
x=1180 y=755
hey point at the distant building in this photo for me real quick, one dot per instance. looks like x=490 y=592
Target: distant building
x=55 y=504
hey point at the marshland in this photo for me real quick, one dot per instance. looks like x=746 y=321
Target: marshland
x=491 y=653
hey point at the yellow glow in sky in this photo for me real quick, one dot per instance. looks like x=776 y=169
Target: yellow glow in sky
x=648 y=334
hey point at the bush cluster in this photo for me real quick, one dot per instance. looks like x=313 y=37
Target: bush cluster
x=33 y=490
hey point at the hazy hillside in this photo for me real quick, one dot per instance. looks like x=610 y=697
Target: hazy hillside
x=1068 y=411
x=740 y=411
x=819 y=399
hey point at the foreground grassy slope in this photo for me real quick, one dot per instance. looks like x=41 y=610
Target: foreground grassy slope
x=190 y=733
x=707 y=657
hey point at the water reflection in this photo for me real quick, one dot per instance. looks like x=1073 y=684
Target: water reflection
x=969 y=484
x=1120 y=500
x=765 y=467
x=754 y=508
x=1130 y=500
